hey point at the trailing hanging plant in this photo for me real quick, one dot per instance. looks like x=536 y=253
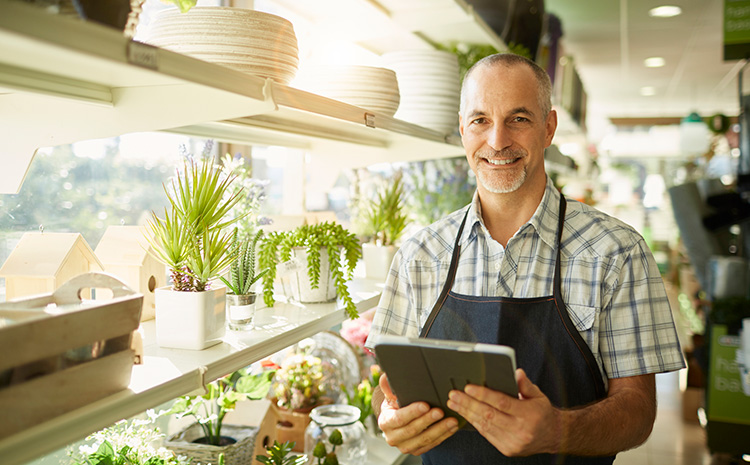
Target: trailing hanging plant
x=277 y=248
x=242 y=274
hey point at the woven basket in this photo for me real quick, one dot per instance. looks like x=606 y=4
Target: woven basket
x=239 y=453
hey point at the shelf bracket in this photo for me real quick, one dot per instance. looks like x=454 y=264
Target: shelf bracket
x=268 y=93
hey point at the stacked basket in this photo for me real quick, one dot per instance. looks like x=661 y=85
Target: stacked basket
x=246 y=40
x=368 y=87
x=429 y=84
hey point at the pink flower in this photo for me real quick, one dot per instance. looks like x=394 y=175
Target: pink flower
x=356 y=331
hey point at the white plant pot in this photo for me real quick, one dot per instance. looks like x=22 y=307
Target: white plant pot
x=300 y=287
x=378 y=259
x=190 y=320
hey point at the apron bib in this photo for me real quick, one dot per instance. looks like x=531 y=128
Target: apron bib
x=548 y=347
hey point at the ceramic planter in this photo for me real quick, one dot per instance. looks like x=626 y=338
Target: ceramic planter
x=300 y=287
x=378 y=260
x=240 y=452
x=241 y=311
x=190 y=320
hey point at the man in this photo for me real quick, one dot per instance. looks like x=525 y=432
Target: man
x=574 y=291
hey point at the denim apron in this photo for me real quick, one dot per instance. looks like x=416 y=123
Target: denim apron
x=548 y=347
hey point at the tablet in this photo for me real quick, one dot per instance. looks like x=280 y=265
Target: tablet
x=427 y=369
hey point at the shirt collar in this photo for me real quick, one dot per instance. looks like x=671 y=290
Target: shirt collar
x=544 y=220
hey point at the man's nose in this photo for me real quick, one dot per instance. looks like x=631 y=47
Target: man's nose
x=498 y=137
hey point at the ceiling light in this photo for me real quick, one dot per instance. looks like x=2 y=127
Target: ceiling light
x=648 y=91
x=665 y=11
x=654 y=62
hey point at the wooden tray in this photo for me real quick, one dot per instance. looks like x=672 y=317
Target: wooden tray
x=60 y=353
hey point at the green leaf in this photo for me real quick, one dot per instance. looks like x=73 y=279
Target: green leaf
x=320 y=450
x=336 y=438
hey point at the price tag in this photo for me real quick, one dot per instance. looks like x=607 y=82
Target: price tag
x=144 y=55
x=369 y=120
x=291 y=266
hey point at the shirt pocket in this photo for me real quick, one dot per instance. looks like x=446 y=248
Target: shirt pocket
x=584 y=319
x=582 y=316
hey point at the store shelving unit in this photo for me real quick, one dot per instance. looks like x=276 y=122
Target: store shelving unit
x=170 y=373
x=63 y=80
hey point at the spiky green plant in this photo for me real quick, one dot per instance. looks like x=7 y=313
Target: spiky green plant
x=277 y=248
x=279 y=454
x=386 y=217
x=242 y=273
x=192 y=239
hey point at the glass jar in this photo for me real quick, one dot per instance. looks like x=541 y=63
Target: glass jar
x=345 y=418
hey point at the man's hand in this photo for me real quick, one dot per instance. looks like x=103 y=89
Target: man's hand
x=515 y=426
x=415 y=428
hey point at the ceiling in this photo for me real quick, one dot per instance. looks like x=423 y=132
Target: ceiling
x=609 y=41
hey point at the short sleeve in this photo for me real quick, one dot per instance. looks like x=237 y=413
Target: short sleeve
x=637 y=330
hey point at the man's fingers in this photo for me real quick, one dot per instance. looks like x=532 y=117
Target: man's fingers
x=385 y=386
x=423 y=434
x=526 y=388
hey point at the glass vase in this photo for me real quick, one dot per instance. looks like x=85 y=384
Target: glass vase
x=345 y=418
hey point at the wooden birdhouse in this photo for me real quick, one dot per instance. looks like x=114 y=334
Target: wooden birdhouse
x=123 y=252
x=43 y=261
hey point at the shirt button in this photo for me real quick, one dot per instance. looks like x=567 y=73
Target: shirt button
x=497 y=265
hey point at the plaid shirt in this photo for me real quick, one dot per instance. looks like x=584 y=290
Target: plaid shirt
x=611 y=285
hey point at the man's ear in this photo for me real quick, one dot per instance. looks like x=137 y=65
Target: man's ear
x=460 y=124
x=550 y=127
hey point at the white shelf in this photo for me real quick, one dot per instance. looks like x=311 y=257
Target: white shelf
x=64 y=80
x=170 y=373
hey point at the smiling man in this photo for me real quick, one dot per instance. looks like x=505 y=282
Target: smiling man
x=575 y=292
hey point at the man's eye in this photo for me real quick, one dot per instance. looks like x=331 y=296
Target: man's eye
x=520 y=119
x=479 y=121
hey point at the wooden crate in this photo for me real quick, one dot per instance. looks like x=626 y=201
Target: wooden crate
x=60 y=353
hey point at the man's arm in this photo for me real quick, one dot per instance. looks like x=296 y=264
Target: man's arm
x=531 y=425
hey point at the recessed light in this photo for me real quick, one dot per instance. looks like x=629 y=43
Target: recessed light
x=665 y=11
x=648 y=91
x=654 y=62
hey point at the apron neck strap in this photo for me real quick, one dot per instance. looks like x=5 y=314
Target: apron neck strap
x=557 y=284
x=449 y=280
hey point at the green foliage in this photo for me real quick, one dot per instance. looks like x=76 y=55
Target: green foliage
x=242 y=274
x=467 y=54
x=439 y=187
x=278 y=454
x=302 y=381
x=221 y=397
x=124 y=443
x=277 y=248
x=321 y=453
x=361 y=397
x=191 y=239
x=183 y=5
x=386 y=217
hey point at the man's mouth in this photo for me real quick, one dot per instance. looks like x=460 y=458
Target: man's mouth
x=501 y=161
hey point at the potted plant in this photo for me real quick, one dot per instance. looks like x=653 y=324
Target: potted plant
x=125 y=442
x=278 y=454
x=242 y=277
x=192 y=241
x=299 y=385
x=208 y=437
x=315 y=276
x=385 y=219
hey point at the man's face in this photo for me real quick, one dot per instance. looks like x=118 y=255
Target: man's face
x=503 y=129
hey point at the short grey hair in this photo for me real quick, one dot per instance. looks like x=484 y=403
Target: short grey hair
x=544 y=85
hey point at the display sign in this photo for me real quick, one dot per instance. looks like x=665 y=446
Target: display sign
x=727 y=400
x=736 y=29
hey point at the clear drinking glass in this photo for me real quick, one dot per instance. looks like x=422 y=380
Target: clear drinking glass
x=240 y=311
